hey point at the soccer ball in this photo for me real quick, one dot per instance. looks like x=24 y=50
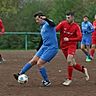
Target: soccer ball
x=22 y=79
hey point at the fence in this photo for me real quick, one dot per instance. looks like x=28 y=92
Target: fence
x=33 y=42
x=25 y=36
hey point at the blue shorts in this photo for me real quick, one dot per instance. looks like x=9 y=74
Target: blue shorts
x=46 y=53
x=86 y=41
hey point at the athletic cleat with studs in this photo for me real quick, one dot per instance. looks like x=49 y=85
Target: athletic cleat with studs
x=88 y=59
x=16 y=76
x=46 y=83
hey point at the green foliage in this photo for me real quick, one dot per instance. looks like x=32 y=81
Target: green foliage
x=18 y=41
x=17 y=15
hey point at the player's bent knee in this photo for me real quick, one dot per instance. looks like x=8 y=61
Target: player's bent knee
x=40 y=63
x=33 y=62
x=70 y=60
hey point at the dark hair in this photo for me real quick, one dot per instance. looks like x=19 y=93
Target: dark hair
x=85 y=16
x=39 y=13
x=70 y=13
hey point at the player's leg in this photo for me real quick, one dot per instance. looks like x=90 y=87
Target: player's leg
x=83 y=49
x=70 y=65
x=81 y=69
x=46 y=57
x=27 y=66
x=1 y=59
x=83 y=44
x=31 y=63
x=76 y=65
x=69 y=69
x=73 y=64
x=43 y=72
x=92 y=51
x=88 y=57
x=86 y=52
x=70 y=59
x=86 y=42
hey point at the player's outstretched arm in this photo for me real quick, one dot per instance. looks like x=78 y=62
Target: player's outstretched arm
x=50 y=22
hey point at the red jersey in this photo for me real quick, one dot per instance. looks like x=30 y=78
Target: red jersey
x=71 y=31
x=94 y=33
x=2 y=29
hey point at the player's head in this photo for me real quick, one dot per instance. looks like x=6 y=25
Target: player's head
x=38 y=16
x=95 y=17
x=70 y=17
x=85 y=18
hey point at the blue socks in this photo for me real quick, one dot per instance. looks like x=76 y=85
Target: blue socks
x=25 y=68
x=44 y=73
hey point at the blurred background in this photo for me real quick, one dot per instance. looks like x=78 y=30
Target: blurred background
x=17 y=17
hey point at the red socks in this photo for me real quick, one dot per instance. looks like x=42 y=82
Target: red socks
x=92 y=52
x=79 y=67
x=70 y=70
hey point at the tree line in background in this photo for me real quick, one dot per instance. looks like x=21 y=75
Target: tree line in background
x=17 y=16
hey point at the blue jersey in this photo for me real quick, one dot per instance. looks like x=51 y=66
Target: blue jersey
x=87 y=29
x=48 y=34
x=49 y=47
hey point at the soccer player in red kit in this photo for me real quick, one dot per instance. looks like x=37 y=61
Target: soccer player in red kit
x=70 y=34
x=92 y=51
x=2 y=30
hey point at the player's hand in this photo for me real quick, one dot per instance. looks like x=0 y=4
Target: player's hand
x=43 y=17
x=66 y=39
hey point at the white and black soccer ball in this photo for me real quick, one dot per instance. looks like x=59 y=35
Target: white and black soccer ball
x=22 y=79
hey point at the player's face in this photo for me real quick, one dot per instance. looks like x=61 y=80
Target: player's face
x=69 y=18
x=38 y=20
x=85 y=19
x=95 y=17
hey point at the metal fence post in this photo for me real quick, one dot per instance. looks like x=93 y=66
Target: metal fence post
x=26 y=41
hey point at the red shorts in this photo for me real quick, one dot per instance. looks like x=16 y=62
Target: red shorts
x=71 y=49
x=94 y=40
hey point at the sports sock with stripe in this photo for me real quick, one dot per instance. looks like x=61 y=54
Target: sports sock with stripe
x=25 y=68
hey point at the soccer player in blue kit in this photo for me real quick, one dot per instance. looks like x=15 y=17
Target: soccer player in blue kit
x=47 y=51
x=87 y=29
